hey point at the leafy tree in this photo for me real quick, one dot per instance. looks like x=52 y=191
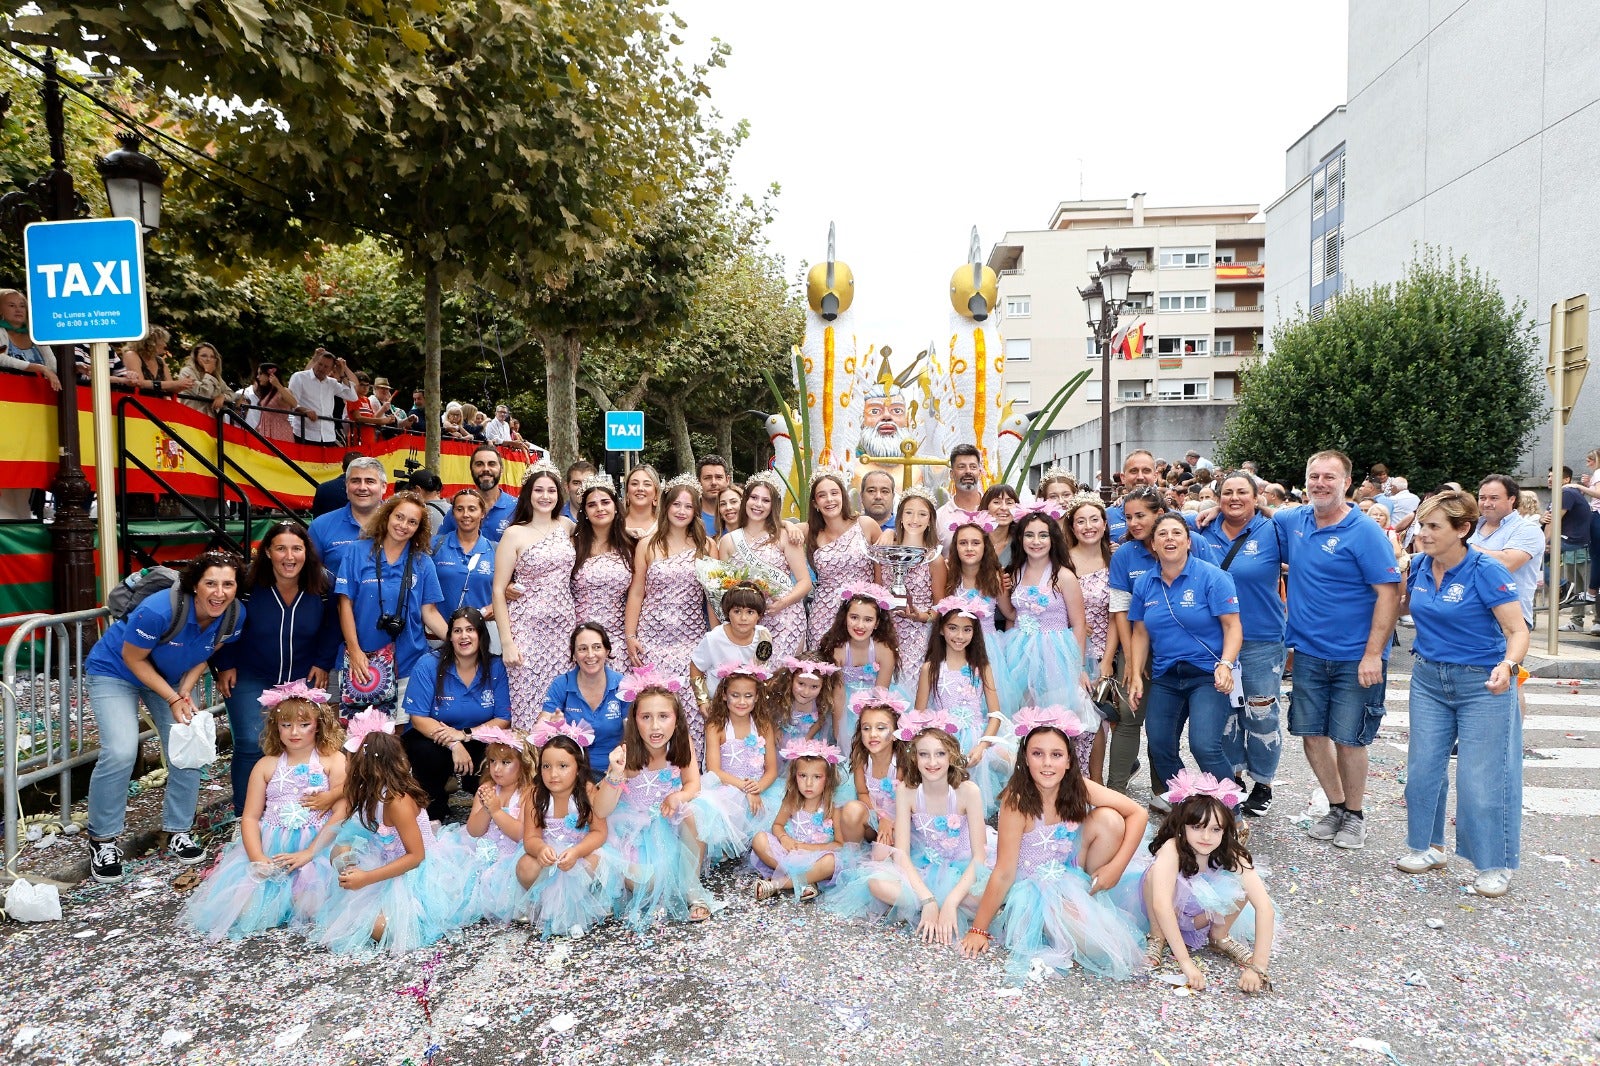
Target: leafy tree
x=1434 y=375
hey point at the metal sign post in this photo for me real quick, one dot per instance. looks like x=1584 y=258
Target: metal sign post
x=1565 y=371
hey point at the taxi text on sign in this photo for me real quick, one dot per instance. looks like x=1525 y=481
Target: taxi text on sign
x=85 y=281
x=624 y=431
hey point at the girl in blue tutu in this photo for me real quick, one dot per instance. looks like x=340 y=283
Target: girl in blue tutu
x=570 y=882
x=863 y=644
x=1203 y=887
x=959 y=680
x=800 y=693
x=866 y=794
x=1045 y=646
x=1064 y=845
x=392 y=893
x=933 y=884
x=277 y=870
x=657 y=823
x=800 y=852
x=741 y=751
x=491 y=839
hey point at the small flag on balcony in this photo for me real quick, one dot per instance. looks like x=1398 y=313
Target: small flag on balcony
x=1241 y=271
x=1172 y=362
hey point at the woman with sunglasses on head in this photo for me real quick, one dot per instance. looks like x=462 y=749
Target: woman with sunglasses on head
x=463 y=556
x=602 y=567
x=291 y=632
x=1130 y=560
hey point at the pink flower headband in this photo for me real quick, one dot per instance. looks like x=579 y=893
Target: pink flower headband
x=493 y=734
x=723 y=671
x=974 y=607
x=370 y=720
x=808 y=667
x=1185 y=784
x=648 y=677
x=962 y=517
x=1059 y=718
x=1049 y=508
x=915 y=722
x=293 y=690
x=878 y=697
x=579 y=732
x=876 y=593
x=810 y=748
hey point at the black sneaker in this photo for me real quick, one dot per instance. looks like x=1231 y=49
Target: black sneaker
x=1259 y=801
x=105 y=861
x=183 y=848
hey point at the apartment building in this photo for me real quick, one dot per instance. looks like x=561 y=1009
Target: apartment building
x=1198 y=293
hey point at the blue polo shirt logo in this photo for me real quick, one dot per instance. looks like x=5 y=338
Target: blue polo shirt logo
x=1251 y=548
x=1454 y=593
x=1331 y=545
x=1188 y=598
x=486 y=698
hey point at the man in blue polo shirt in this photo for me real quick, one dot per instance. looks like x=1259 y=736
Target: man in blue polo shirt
x=1138 y=470
x=499 y=506
x=1344 y=594
x=332 y=533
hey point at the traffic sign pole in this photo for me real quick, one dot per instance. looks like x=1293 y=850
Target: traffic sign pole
x=105 y=464
x=1558 y=378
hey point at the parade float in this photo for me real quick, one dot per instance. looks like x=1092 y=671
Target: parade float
x=847 y=410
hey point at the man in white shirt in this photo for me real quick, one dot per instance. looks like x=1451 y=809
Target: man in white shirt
x=315 y=388
x=1402 y=504
x=498 y=429
x=1517 y=543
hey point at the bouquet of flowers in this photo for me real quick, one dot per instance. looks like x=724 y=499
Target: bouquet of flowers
x=718 y=576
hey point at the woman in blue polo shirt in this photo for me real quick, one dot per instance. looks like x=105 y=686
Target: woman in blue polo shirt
x=1185 y=617
x=588 y=693
x=384 y=617
x=459 y=688
x=1245 y=544
x=464 y=559
x=130 y=664
x=1471 y=639
x=1130 y=560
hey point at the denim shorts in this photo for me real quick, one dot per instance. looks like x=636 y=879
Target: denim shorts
x=1329 y=701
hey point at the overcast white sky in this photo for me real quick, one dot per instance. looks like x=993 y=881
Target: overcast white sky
x=908 y=123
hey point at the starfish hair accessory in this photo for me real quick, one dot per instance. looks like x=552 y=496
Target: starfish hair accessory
x=580 y=733
x=740 y=668
x=877 y=593
x=963 y=517
x=1184 y=784
x=810 y=748
x=493 y=734
x=293 y=690
x=370 y=720
x=878 y=697
x=913 y=723
x=1027 y=719
x=645 y=678
x=808 y=667
x=974 y=607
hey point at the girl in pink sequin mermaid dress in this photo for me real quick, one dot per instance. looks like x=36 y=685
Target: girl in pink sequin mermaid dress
x=602 y=569
x=536 y=554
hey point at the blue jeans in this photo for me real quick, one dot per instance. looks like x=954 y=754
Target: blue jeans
x=1261 y=662
x=1450 y=706
x=245 y=719
x=1185 y=693
x=1329 y=700
x=115 y=704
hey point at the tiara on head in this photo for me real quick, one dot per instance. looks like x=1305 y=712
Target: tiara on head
x=960 y=516
x=808 y=667
x=597 y=480
x=740 y=667
x=877 y=593
x=1027 y=719
x=1079 y=499
x=770 y=479
x=542 y=466
x=810 y=748
x=645 y=678
x=682 y=480
x=1057 y=473
x=878 y=697
x=915 y=722
x=579 y=732
x=1184 y=784
x=920 y=493
x=493 y=734
x=835 y=472
x=293 y=690
x=368 y=721
x=975 y=607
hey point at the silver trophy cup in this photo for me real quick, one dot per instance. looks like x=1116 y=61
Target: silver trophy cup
x=898 y=559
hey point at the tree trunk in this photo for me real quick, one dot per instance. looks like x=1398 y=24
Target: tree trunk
x=682 y=446
x=431 y=359
x=561 y=352
x=725 y=440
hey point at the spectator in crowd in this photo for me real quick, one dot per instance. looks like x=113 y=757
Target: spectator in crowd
x=21 y=353
x=713 y=473
x=966 y=489
x=1195 y=460
x=518 y=443
x=1275 y=496
x=367 y=414
x=642 y=498
x=419 y=410
x=499 y=507
x=333 y=533
x=473 y=421
x=1590 y=487
x=149 y=358
x=588 y=693
x=1378 y=474
x=1471 y=640
x=452 y=422
x=498 y=429
x=1575 y=519
x=136 y=661
x=428 y=485
x=452 y=691
x=120 y=374
x=1511 y=539
x=877 y=497
x=291 y=631
x=402 y=421
x=267 y=405
x=1343 y=598
x=464 y=559
x=1138 y=471
x=577 y=474
x=331 y=494
x=201 y=379
x=324 y=381
x=1401 y=503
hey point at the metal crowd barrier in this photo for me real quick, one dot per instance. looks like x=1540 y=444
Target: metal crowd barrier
x=45 y=657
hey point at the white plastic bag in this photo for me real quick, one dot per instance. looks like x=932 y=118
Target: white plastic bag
x=33 y=903
x=193 y=745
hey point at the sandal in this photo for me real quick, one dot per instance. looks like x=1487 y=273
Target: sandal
x=807 y=894
x=699 y=911
x=1156 y=950
x=767 y=889
x=1229 y=948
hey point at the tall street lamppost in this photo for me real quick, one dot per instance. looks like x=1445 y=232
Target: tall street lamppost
x=1103 y=298
x=52 y=198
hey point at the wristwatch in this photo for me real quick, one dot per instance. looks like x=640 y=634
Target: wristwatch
x=1515 y=666
x=1230 y=666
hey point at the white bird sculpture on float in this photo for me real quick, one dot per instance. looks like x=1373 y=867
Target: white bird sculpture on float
x=831 y=363
x=1013 y=428
x=782 y=447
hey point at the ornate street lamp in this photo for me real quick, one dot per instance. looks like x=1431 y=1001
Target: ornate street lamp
x=133 y=182
x=1103 y=299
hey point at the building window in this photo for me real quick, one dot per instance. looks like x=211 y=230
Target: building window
x=1131 y=391
x=1319 y=193
x=1019 y=306
x=1224 y=257
x=1223 y=346
x=1185 y=301
x=1091 y=350
x=1020 y=393
x=1185 y=258
x=1018 y=349
x=1136 y=301
x=1333 y=246
x=1195 y=389
x=1183 y=345
x=1091 y=391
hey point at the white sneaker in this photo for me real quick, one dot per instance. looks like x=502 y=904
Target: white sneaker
x=1405 y=622
x=1594 y=630
x=1420 y=862
x=1571 y=627
x=1492 y=883
x=1158 y=802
